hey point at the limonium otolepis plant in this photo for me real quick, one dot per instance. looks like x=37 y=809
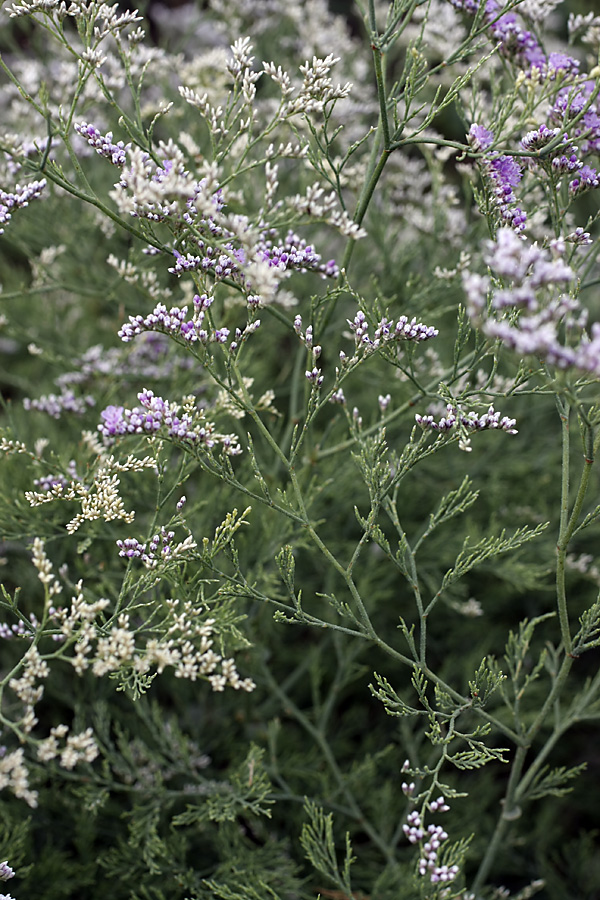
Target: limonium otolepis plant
x=299 y=420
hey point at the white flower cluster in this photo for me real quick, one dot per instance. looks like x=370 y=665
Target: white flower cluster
x=186 y=647
x=154 y=192
x=77 y=623
x=100 y=499
x=44 y=567
x=240 y=67
x=317 y=87
x=108 y=19
x=586 y=26
x=15 y=777
x=316 y=204
x=78 y=747
x=11 y=446
x=33 y=668
x=184 y=644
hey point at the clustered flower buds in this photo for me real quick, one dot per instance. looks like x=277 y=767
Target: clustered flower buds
x=103 y=143
x=466 y=423
x=17 y=199
x=6 y=873
x=387 y=332
x=431 y=841
x=160 y=549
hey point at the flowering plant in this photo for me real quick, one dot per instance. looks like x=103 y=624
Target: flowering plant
x=299 y=592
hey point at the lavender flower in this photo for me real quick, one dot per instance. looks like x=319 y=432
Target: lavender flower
x=516 y=42
x=17 y=199
x=161 y=548
x=505 y=174
x=541 y=137
x=157 y=415
x=585 y=180
x=56 y=404
x=579 y=236
x=480 y=138
x=296 y=254
x=172 y=321
x=435 y=835
x=387 y=332
x=47 y=482
x=6 y=872
x=519 y=44
x=314 y=376
x=187 y=263
x=561 y=63
x=103 y=144
x=19 y=629
x=570 y=103
x=455 y=419
x=175 y=322
x=538 y=327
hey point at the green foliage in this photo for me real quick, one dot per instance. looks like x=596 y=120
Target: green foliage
x=318 y=844
x=247 y=791
x=473 y=555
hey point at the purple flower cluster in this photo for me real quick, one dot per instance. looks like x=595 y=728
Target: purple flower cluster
x=516 y=42
x=47 y=482
x=7 y=632
x=153 y=414
x=56 y=404
x=103 y=144
x=172 y=321
x=480 y=138
x=404 y=329
x=222 y=263
x=5 y=871
x=17 y=199
x=521 y=45
x=168 y=191
x=585 y=180
x=295 y=254
x=571 y=103
x=537 y=329
x=540 y=138
x=160 y=547
x=455 y=419
x=148 y=359
x=435 y=836
x=504 y=173
x=158 y=415
x=175 y=322
x=566 y=162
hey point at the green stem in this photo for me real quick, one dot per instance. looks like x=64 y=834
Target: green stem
x=509 y=812
x=321 y=741
x=562 y=543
